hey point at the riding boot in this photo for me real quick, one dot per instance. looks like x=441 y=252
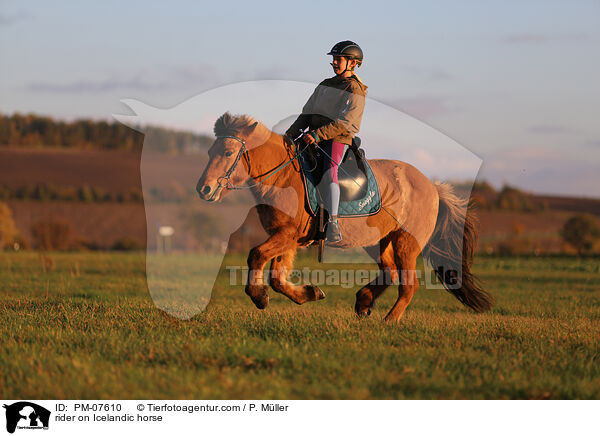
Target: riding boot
x=333 y=234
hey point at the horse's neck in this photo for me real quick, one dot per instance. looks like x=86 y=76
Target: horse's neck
x=268 y=163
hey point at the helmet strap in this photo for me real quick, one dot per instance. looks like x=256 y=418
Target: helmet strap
x=346 y=68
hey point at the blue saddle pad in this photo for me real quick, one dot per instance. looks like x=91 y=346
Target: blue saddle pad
x=369 y=204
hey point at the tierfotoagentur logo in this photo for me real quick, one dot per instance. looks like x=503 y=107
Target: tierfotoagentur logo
x=348 y=278
x=25 y=415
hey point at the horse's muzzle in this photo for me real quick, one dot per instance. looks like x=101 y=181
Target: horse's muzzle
x=206 y=192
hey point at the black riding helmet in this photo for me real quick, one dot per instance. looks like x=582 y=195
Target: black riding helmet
x=348 y=49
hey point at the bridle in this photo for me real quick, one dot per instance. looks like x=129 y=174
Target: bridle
x=227 y=177
x=225 y=180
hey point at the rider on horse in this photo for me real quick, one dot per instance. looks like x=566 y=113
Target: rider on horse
x=332 y=115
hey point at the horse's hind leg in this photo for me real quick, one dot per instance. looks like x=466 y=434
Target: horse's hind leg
x=278 y=279
x=366 y=296
x=257 y=259
x=406 y=250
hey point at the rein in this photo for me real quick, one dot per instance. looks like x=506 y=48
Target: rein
x=244 y=152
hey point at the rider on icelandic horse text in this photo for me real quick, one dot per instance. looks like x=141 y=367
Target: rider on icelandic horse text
x=333 y=114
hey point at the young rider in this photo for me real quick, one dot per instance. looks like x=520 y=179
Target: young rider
x=332 y=115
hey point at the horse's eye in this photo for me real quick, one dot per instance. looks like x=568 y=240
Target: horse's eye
x=228 y=153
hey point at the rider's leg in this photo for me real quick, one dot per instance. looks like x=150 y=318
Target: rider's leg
x=335 y=153
x=332 y=200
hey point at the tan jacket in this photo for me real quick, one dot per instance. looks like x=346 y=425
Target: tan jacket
x=333 y=111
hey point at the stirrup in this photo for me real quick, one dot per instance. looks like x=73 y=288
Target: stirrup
x=333 y=234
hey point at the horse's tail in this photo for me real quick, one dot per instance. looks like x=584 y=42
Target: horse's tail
x=450 y=250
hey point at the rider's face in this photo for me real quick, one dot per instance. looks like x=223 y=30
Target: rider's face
x=339 y=64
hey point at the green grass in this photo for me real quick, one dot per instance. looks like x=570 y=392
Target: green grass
x=88 y=329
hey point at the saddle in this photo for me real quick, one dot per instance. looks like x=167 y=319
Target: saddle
x=359 y=191
x=352 y=172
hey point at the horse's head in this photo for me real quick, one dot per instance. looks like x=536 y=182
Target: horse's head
x=228 y=160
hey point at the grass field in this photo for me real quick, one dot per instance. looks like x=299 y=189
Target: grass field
x=87 y=329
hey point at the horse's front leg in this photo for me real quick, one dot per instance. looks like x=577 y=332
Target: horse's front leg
x=277 y=244
x=278 y=279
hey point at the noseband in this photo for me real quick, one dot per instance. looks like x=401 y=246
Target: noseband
x=227 y=177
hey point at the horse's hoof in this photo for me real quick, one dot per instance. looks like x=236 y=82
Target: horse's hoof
x=313 y=293
x=363 y=306
x=362 y=315
x=258 y=296
x=261 y=301
x=319 y=294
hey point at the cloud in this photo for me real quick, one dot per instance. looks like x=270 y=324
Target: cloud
x=83 y=86
x=433 y=74
x=542 y=169
x=550 y=129
x=423 y=106
x=593 y=143
x=540 y=38
x=518 y=158
x=526 y=38
x=193 y=74
x=272 y=73
x=8 y=20
x=172 y=77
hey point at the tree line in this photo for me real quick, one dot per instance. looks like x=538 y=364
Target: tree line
x=508 y=198
x=41 y=131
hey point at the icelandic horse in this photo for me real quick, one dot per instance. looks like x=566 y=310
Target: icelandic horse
x=417 y=216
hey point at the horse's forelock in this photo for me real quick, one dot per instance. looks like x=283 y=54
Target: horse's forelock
x=228 y=124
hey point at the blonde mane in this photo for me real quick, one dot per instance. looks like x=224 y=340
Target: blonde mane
x=228 y=124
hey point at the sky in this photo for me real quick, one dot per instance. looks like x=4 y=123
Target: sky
x=513 y=82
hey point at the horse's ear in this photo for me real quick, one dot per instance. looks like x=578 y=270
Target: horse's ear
x=256 y=136
x=249 y=130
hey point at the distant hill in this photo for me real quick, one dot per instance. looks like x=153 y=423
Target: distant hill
x=98 y=192
x=38 y=131
x=569 y=204
x=511 y=198
x=24 y=172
